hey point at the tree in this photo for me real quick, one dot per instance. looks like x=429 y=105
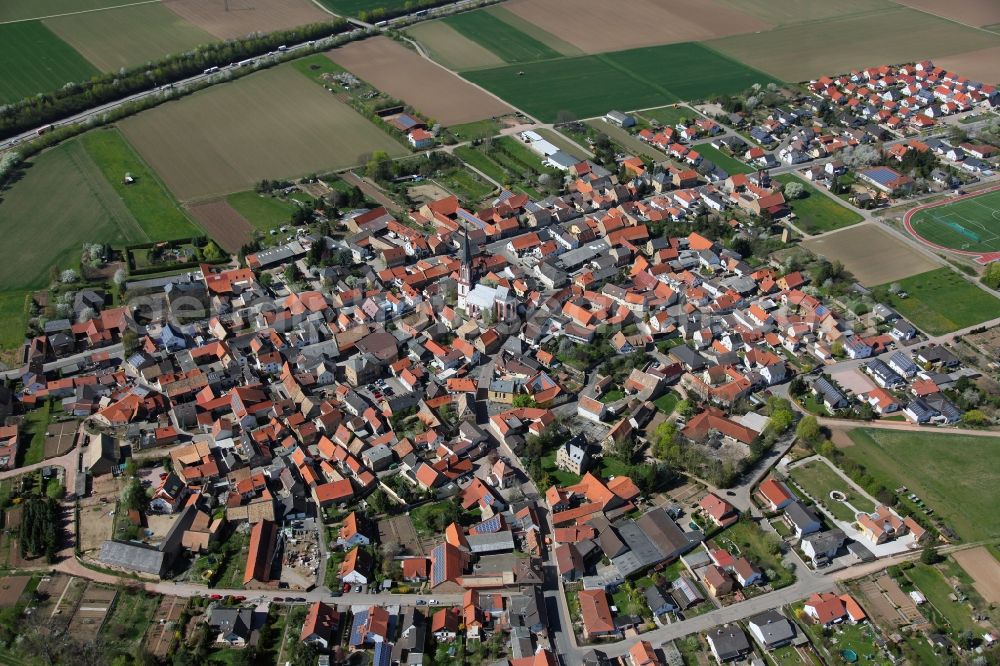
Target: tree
x=929 y=556
x=975 y=417
x=523 y=400
x=794 y=190
x=808 y=430
x=292 y=274
x=379 y=167
x=69 y=276
x=378 y=501
x=130 y=341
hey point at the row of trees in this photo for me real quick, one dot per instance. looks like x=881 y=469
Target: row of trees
x=40 y=528
x=73 y=98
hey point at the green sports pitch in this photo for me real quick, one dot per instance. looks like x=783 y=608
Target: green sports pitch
x=969 y=225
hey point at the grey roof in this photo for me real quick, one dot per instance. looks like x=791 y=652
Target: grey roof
x=729 y=641
x=800 y=515
x=657 y=600
x=826 y=541
x=491 y=542
x=830 y=393
x=642 y=552
x=236 y=621
x=664 y=533
x=133 y=556
x=774 y=627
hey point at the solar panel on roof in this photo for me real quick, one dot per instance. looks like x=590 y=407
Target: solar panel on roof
x=489 y=526
x=437 y=558
x=383 y=653
x=357 y=627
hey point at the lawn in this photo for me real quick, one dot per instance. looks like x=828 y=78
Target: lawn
x=317 y=65
x=941 y=301
x=559 y=477
x=930 y=581
x=666 y=402
x=64 y=188
x=234 y=562
x=746 y=539
x=727 y=163
x=785 y=656
x=481 y=161
x=496 y=35
x=467 y=186
x=148 y=200
x=818 y=479
x=956 y=475
x=479 y=129
x=262 y=211
x=816 y=212
x=35 y=60
x=668 y=116
x=36 y=423
x=642 y=78
x=967 y=225
x=612 y=396
x=611 y=466
x=128 y=36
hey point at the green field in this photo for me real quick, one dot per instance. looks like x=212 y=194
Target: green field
x=263 y=212
x=956 y=475
x=729 y=164
x=479 y=160
x=937 y=590
x=817 y=212
x=356 y=7
x=13 y=318
x=35 y=60
x=971 y=224
x=479 y=129
x=817 y=479
x=36 y=422
x=128 y=36
x=64 y=188
x=941 y=301
x=506 y=41
x=148 y=200
x=19 y=10
x=588 y=86
x=668 y=116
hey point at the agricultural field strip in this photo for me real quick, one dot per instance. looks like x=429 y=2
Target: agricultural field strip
x=13 y=5
x=505 y=40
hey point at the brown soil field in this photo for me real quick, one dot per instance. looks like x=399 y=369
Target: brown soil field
x=978 y=65
x=984 y=569
x=246 y=16
x=805 y=51
x=11 y=588
x=969 y=12
x=61 y=441
x=404 y=74
x=871 y=254
x=95 y=524
x=227 y=227
x=90 y=613
x=271 y=124
x=593 y=27
x=451 y=48
x=427 y=192
x=160 y=633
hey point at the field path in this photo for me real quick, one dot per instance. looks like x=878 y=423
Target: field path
x=84 y=11
x=371 y=190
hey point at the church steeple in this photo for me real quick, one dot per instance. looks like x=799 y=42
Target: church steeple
x=465 y=271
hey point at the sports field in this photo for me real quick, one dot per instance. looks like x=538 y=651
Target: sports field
x=871 y=254
x=941 y=301
x=128 y=36
x=956 y=475
x=35 y=60
x=510 y=44
x=147 y=199
x=271 y=124
x=588 y=86
x=970 y=225
x=62 y=201
x=431 y=90
x=804 y=51
x=816 y=212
